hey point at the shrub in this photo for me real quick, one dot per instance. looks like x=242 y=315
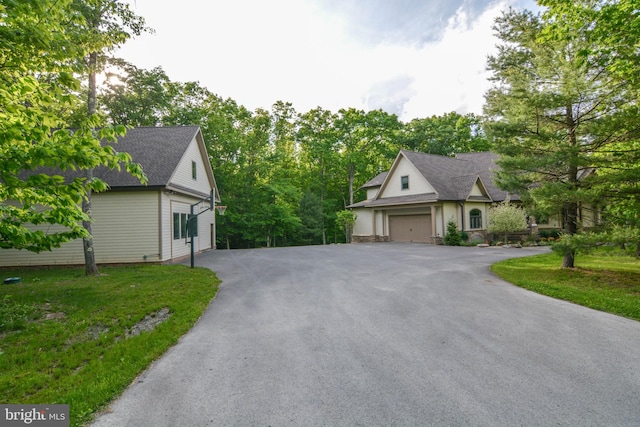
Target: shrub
x=453 y=236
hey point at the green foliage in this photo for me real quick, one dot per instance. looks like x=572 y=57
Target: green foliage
x=453 y=237
x=312 y=219
x=445 y=135
x=346 y=219
x=42 y=45
x=506 y=218
x=588 y=241
x=136 y=97
x=69 y=340
x=563 y=120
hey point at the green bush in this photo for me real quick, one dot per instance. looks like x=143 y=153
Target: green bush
x=453 y=236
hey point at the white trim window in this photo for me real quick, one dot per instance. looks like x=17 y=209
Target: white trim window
x=475 y=219
x=404 y=182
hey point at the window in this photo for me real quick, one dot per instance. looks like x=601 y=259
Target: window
x=404 y=181
x=183 y=225
x=475 y=218
x=180 y=224
x=176 y=225
x=194 y=170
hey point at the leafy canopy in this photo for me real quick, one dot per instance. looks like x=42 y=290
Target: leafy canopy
x=39 y=52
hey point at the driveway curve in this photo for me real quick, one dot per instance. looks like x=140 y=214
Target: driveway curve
x=386 y=334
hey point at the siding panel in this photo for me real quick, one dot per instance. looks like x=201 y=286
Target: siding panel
x=183 y=174
x=417 y=183
x=125 y=229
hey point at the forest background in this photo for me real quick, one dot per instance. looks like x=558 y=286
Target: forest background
x=284 y=175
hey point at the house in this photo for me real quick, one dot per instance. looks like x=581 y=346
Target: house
x=135 y=223
x=415 y=199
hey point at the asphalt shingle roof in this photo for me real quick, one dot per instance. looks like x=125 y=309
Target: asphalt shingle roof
x=377 y=181
x=157 y=149
x=487 y=167
x=451 y=177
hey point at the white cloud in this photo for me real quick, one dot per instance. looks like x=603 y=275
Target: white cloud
x=259 y=52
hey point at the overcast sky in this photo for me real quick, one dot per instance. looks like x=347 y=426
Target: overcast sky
x=413 y=58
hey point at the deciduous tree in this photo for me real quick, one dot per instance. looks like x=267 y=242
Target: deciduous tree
x=506 y=218
x=39 y=209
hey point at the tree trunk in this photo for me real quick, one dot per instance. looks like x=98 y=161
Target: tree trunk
x=571 y=208
x=568 y=260
x=91 y=268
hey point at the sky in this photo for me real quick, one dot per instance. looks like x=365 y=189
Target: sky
x=412 y=58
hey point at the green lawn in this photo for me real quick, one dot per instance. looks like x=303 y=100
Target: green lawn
x=606 y=280
x=66 y=338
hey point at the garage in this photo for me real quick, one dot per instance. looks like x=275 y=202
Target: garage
x=410 y=228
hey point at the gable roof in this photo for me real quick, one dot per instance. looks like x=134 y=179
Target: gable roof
x=157 y=149
x=453 y=178
x=486 y=162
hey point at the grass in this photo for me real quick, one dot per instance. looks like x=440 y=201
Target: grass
x=65 y=337
x=607 y=280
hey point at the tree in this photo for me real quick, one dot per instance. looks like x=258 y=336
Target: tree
x=506 y=218
x=368 y=143
x=311 y=216
x=319 y=157
x=554 y=117
x=453 y=237
x=613 y=29
x=445 y=135
x=103 y=27
x=37 y=90
x=346 y=219
x=136 y=97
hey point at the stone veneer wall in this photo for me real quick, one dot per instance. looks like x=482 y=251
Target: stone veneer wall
x=369 y=239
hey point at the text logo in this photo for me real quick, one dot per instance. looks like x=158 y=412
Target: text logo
x=34 y=415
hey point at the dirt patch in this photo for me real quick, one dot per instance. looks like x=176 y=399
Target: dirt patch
x=149 y=323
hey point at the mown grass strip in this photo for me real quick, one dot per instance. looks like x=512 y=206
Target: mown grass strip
x=64 y=336
x=604 y=280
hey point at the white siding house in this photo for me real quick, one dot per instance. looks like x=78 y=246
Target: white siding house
x=136 y=223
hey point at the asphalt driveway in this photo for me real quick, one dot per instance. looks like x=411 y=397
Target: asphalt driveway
x=386 y=335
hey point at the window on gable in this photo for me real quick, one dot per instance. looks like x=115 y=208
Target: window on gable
x=404 y=182
x=475 y=218
x=194 y=170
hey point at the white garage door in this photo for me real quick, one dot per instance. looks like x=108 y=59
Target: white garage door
x=410 y=228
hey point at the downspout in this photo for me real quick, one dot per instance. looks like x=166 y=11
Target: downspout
x=461 y=204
